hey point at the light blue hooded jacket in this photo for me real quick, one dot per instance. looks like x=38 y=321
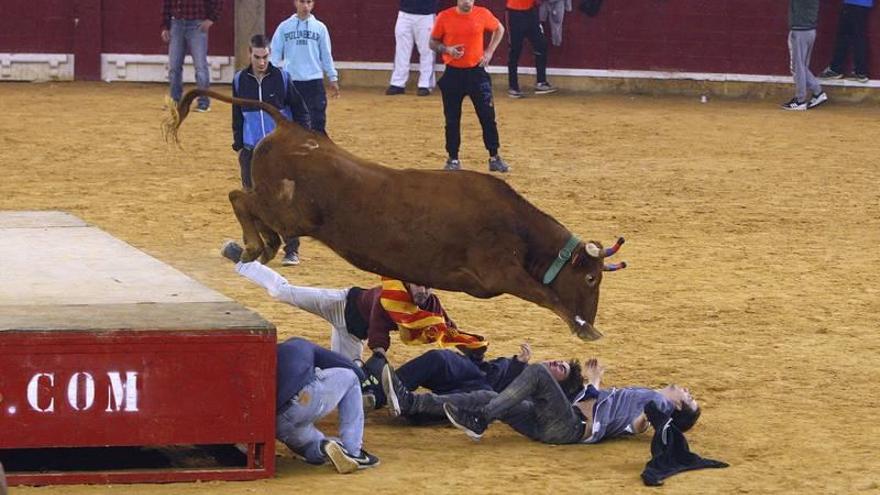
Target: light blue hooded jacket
x=302 y=48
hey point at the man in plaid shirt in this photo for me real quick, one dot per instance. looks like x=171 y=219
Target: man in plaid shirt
x=185 y=23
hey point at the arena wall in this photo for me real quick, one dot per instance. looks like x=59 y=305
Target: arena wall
x=737 y=41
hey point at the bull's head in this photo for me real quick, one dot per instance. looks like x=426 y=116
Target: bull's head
x=578 y=286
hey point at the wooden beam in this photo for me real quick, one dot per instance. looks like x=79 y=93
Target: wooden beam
x=250 y=19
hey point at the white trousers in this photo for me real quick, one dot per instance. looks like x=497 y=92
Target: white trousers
x=413 y=29
x=329 y=304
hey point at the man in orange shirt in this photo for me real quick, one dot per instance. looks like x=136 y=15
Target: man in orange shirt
x=458 y=37
x=522 y=19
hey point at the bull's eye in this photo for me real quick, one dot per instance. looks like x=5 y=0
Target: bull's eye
x=591 y=279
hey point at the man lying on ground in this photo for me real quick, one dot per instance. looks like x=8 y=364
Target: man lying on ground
x=443 y=371
x=539 y=405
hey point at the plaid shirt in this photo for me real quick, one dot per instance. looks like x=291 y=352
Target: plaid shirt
x=190 y=9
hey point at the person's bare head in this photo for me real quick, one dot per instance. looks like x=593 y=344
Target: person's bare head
x=687 y=410
x=418 y=293
x=259 y=53
x=465 y=6
x=304 y=8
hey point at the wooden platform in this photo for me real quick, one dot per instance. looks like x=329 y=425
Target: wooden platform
x=102 y=345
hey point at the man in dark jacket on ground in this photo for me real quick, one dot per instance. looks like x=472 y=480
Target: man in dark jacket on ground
x=312 y=382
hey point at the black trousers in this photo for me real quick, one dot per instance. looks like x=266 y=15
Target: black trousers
x=291 y=245
x=475 y=83
x=524 y=25
x=851 y=33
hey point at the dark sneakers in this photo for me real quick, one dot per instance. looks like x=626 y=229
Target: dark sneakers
x=496 y=164
x=399 y=397
x=341 y=460
x=423 y=92
x=395 y=90
x=470 y=422
x=291 y=259
x=862 y=78
x=794 y=104
x=829 y=73
x=366 y=459
x=231 y=251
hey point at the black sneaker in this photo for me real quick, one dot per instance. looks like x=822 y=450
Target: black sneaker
x=398 y=396
x=817 y=100
x=828 y=73
x=365 y=460
x=862 y=78
x=231 y=251
x=395 y=90
x=496 y=164
x=423 y=92
x=794 y=104
x=467 y=421
x=341 y=460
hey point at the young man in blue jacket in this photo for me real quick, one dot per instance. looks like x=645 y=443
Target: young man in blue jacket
x=301 y=46
x=264 y=82
x=312 y=382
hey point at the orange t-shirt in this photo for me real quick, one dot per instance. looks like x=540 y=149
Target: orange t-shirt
x=453 y=28
x=520 y=4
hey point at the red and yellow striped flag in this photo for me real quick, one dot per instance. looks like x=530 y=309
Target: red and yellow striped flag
x=418 y=326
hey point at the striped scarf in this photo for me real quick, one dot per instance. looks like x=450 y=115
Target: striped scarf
x=417 y=326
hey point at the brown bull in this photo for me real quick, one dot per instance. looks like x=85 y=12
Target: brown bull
x=459 y=231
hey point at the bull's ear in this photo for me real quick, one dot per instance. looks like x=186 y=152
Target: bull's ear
x=593 y=249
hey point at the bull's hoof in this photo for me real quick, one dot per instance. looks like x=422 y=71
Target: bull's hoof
x=588 y=333
x=250 y=255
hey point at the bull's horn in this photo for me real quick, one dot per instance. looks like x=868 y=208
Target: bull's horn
x=613 y=249
x=613 y=267
x=593 y=250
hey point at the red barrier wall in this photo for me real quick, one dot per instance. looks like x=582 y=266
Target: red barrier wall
x=726 y=36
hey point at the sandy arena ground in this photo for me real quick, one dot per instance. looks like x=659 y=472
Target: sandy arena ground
x=752 y=234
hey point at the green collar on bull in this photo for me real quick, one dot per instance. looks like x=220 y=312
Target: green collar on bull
x=561 y=259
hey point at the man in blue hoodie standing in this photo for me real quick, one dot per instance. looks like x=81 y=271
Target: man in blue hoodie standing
x=301 y=46
x=264 y=82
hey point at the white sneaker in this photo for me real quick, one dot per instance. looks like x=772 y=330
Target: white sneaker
x=817 y=100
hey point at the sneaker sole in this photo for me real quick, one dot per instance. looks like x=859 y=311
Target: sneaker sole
x=390 y=395
x=340 y=460
x=289 y=263
x=368 y=466
x=545 y=91
x=470 y=433
x=810 y=107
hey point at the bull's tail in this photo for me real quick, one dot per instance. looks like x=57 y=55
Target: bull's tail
x=177 y=114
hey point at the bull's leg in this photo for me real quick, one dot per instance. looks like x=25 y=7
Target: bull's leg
x=253 y=243
x=271 y=239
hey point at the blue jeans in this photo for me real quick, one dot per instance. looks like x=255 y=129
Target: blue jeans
x=443 y=371
x=185 y=33
x=332 y=387
x=315 y=97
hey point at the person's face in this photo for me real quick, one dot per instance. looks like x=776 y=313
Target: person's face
x=418 y=293
x=304 y=7
x=559 y=369
x=259 y=60
x=678 y=396
x=465 y=5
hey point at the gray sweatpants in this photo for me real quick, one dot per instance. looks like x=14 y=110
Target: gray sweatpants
x=800 y=48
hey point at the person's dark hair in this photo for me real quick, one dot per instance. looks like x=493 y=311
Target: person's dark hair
x=259 y=41
x=575 y=381
x=685 y=418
